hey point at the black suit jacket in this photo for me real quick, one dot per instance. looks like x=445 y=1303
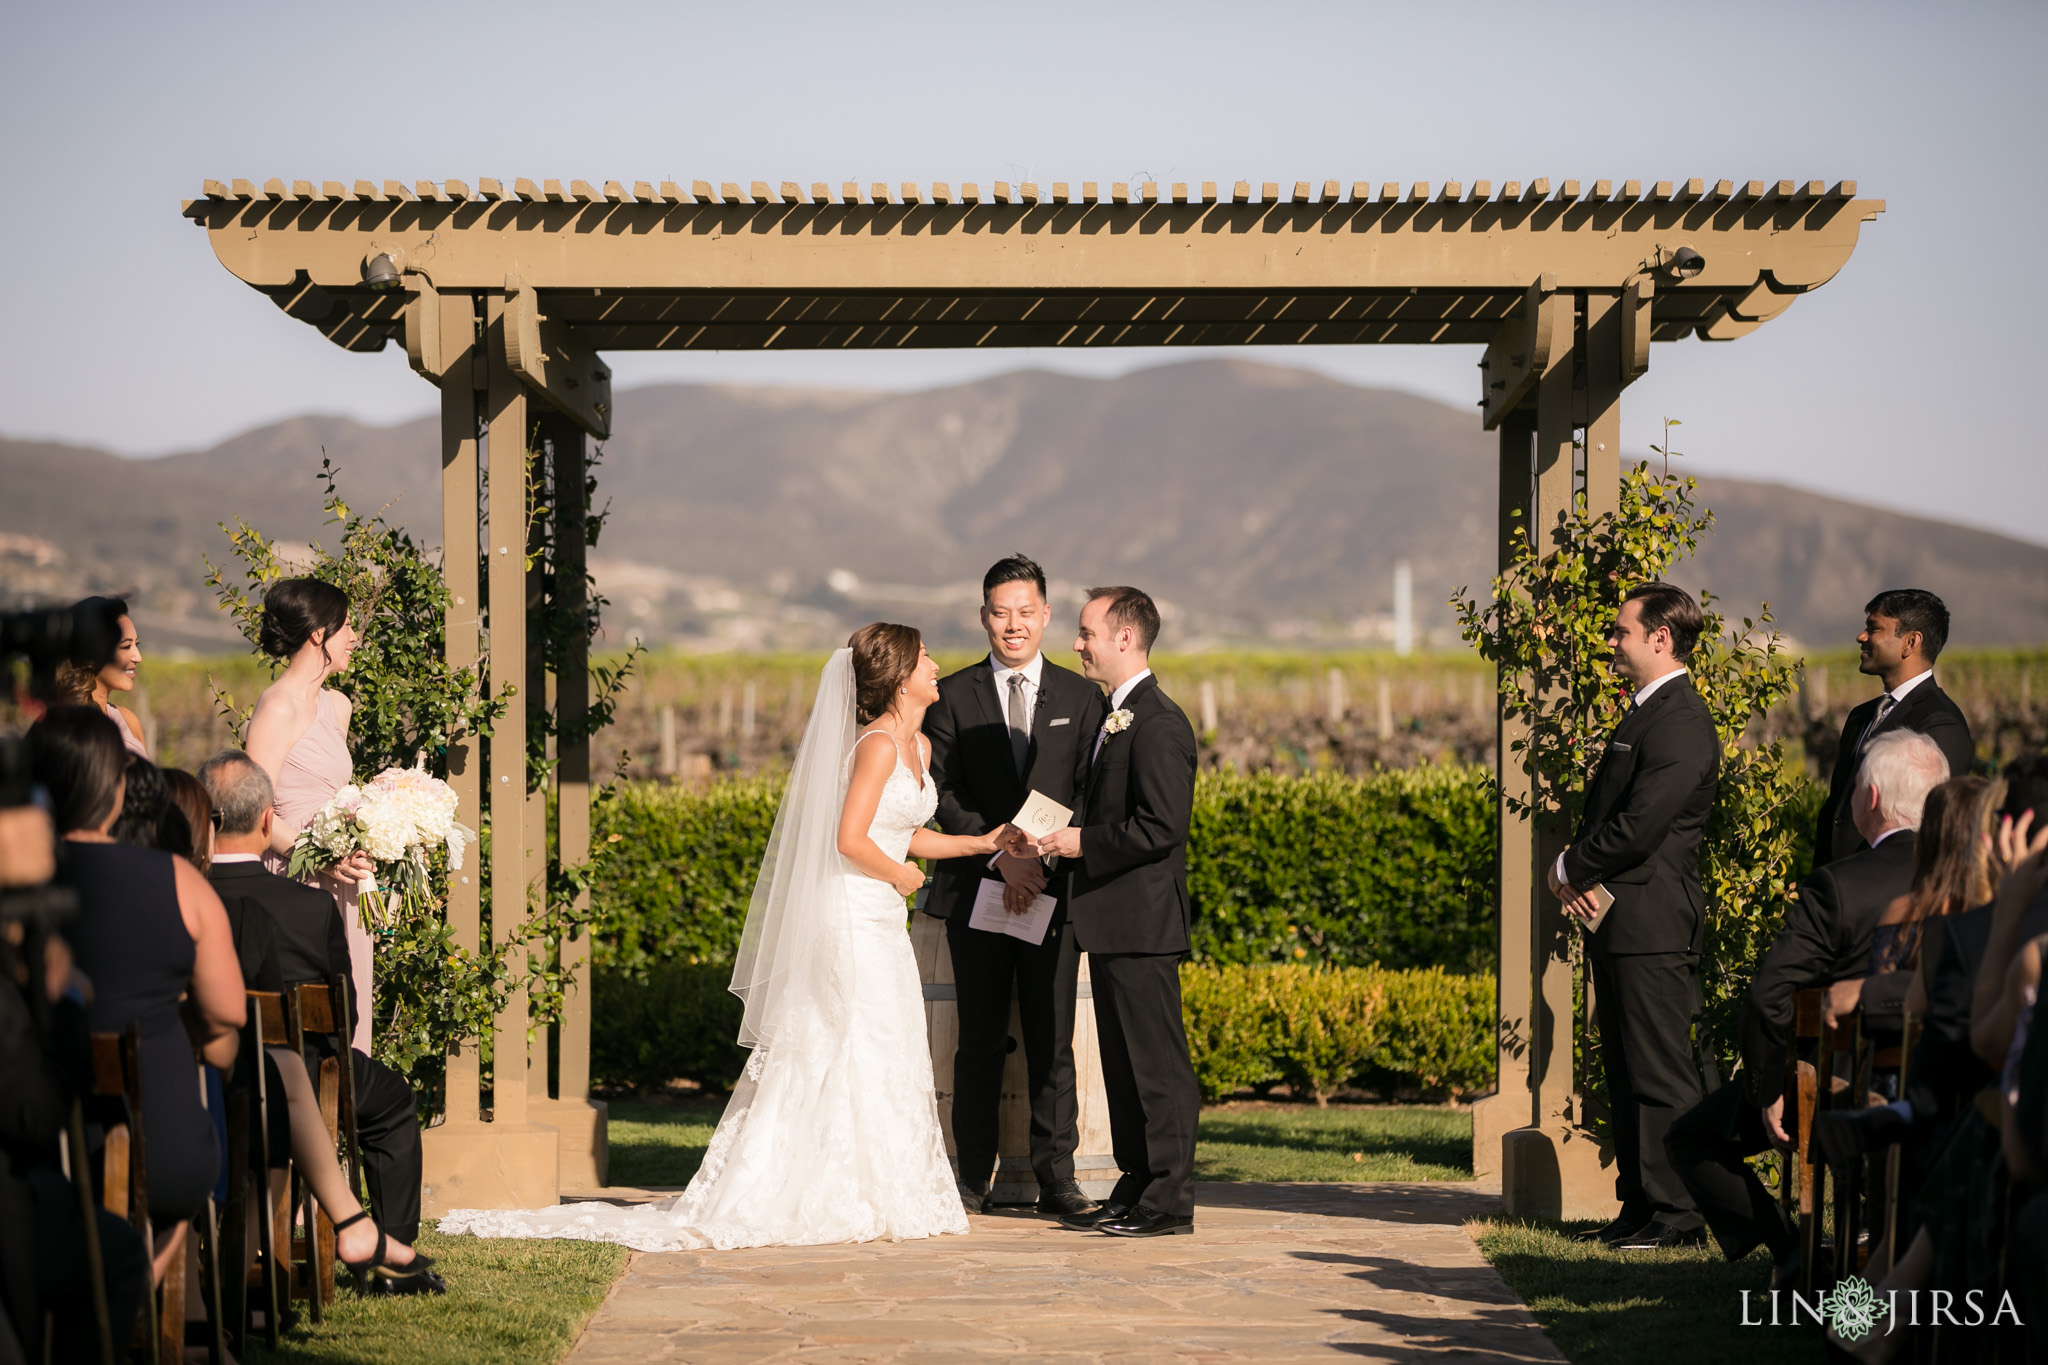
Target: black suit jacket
x=1646 y=811
x=1926 y=709
x=305 y=924
x=1826 y=938
x=979 y=785
x=1128 y=891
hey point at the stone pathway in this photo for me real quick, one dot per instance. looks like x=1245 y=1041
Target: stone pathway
x=1273 y=1273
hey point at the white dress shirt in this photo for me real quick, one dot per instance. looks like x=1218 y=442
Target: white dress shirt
x=1031 y=673
x=1643 y=694
x=1116 y=703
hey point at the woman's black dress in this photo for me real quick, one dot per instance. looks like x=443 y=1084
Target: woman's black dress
x=130 y=941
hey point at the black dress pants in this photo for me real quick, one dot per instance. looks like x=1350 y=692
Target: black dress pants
x=1644 y=1003
x=987 y=967
x=388 y=1130
x=1707 y=1146
x=1154 y=1100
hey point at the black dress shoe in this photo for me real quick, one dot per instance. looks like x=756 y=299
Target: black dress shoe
x=1661 y=1236
x=1144 y=1222
x=1095 y=1217
x=971 y=1199
x=1846 y=1135
x=1064 y=1199
x=1627 y=1225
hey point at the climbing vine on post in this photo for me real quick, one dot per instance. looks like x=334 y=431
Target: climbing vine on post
x=430 y=993
x=1545 y=625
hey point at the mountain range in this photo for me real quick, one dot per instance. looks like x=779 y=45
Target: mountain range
x=1259 y=504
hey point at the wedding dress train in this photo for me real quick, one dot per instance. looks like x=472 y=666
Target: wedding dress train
x=832 y=1133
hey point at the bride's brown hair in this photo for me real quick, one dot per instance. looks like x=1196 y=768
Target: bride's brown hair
x=883 y=656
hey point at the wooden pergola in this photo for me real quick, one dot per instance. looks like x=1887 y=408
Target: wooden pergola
x=505 y=296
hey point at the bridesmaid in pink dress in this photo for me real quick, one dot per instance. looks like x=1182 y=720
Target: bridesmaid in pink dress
x=110 y=653
x=299 y=735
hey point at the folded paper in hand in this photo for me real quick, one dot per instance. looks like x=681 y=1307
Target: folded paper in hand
x=1041 y=815
x=1603 y=901
x=989 y=914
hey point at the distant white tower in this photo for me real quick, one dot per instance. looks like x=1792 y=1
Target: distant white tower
x=1404 y=609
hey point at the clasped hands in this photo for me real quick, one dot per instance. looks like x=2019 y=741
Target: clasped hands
x=1022 y=863
x=1578 y=904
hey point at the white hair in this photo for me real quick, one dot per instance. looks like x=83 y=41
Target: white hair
x=1901 y=767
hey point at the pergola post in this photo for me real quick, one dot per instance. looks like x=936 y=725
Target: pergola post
x=503 y=1159
x=580 y=1120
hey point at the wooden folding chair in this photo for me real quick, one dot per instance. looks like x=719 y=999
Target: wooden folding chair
x=310 y=1011
x=79 y=1168
x=250 y=1103
x=1898 y=1059
x=1797 y=1169
x=124 y=1184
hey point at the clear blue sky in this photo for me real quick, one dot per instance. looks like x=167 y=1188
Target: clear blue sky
x=1902 y=382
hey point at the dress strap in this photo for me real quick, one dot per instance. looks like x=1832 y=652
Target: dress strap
x=885 y=735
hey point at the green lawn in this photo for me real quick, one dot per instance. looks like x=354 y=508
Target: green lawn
x=508 y=1303
x=1673 y=1307
x=660 y=1142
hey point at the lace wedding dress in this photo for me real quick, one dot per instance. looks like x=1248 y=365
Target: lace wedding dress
x=832 y=1134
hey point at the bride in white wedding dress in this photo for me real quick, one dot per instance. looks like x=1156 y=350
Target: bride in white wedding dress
x=832 y=1133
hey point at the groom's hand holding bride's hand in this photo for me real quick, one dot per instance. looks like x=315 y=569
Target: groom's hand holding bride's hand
x=1023 y=877
x=1061 y=843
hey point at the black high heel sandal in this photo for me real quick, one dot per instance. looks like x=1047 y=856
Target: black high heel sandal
x=376 y=1276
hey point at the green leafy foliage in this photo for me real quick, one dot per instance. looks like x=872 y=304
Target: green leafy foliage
x=1396 y=868
x=675 y=1021
x=1545 y=627
x=408 y=703
x=1316 y=1028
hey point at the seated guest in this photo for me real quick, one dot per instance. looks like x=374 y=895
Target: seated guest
x=1951 y=873
x=153 y=939
x=312 y=947
x=187 y=801
x=108 y=653
x=1903 y=633
x=1826 y=938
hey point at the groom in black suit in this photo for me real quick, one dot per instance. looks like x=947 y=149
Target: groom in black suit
x=1125 y=860
x=1013 y=722
x=1904 y=630
x=1639 y=838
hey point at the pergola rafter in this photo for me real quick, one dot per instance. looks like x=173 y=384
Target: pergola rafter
x=506 y=298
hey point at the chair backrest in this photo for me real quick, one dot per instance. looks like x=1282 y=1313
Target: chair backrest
x=316 y=1007
x=266 y=1012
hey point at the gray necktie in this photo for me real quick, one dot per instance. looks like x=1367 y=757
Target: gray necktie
x=1884 y=708
x=1020 y=728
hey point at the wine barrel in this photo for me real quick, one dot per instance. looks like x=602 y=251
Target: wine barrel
x=1014 y=1182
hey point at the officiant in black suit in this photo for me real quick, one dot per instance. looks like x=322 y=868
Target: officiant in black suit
x=1645 y=813
x=1125 y=862
x=311 y=946
x=1001 y=728
x=1904 y=631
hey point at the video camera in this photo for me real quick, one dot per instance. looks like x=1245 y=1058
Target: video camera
x=43 y=638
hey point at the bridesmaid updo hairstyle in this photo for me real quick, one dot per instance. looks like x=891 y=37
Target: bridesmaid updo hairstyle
x=883 y=656
x=294 y=610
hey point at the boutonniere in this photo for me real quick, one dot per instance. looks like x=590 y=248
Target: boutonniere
x=1117 y=722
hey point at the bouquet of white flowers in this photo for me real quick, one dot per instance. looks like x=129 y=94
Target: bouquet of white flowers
x=399 y=817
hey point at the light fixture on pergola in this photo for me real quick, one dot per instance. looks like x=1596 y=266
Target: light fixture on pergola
x=506 y=296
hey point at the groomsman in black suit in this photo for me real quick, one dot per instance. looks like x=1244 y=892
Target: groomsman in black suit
x=312 y=947
x=1639 y=838
x=1009 y=724
x=1825 y=939
x=1904 y=631
x=1125 y=860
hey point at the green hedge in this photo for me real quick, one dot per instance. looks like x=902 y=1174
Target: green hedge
x=1312 y=1028
x=1397 y=869
x=1317 y=1028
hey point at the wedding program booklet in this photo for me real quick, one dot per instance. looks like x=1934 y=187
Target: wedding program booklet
x=1603 y=901
x=1041 y=815
x=990 y=915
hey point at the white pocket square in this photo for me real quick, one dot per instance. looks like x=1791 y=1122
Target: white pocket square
x=1061 y=721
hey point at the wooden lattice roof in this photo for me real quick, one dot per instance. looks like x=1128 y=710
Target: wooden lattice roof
x=790 y=266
